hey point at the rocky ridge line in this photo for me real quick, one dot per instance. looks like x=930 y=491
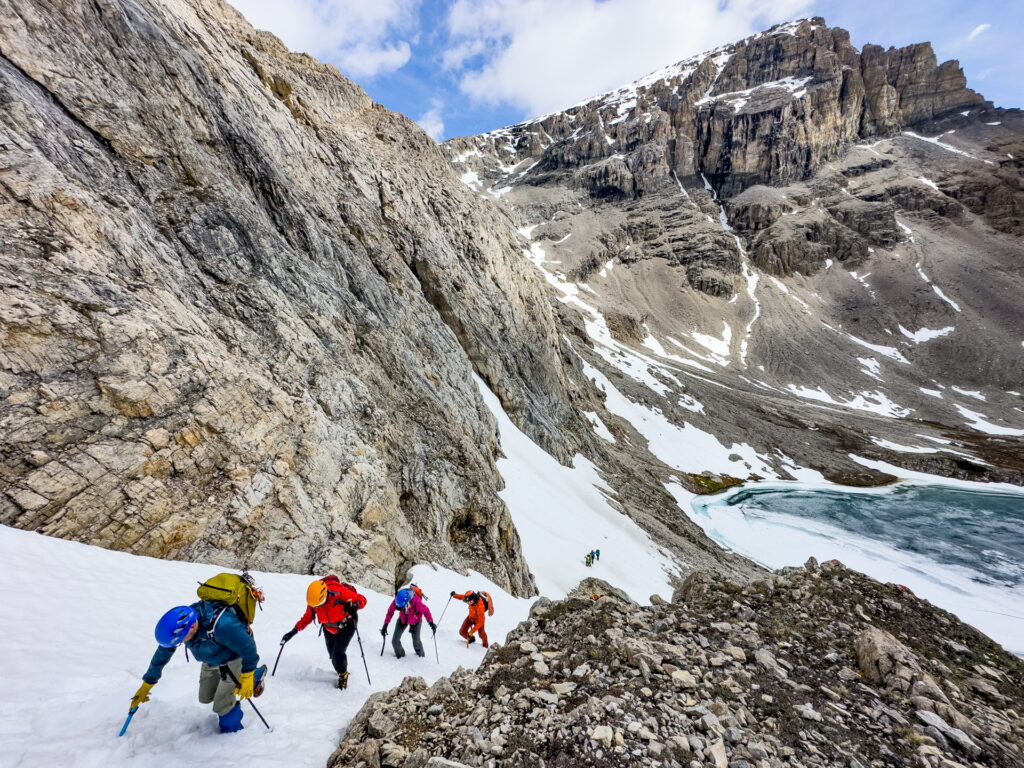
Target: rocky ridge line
x=812 y=253
x=769 y=110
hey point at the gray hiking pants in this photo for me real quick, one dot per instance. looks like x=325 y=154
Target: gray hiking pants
x=396 y=638
x=220 y=692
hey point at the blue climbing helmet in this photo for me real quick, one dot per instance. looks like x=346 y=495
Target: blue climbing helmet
x=174 y=625
x=402 y=598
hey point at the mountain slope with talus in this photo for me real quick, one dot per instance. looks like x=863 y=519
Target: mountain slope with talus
x=811 y=252
x=248 y=318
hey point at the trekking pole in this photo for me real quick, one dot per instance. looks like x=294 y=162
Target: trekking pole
x=364 y=655
x=278 y=658
x=131 y=714
x=435 y=647
x=235 y=680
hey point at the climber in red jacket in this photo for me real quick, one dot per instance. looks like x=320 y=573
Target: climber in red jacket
x=334 y=605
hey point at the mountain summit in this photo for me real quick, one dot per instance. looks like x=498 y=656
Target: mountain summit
x=811 y=250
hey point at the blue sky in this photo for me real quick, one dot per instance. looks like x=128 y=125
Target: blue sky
x=461 y=67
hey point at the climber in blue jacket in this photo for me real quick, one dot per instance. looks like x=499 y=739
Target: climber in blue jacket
x=219 y=639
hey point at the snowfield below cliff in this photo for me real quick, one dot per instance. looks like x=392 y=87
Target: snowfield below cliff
x=76 y=635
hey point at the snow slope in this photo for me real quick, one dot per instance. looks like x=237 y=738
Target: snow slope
x=76 y=632
x=76 y=635
x=562 y=513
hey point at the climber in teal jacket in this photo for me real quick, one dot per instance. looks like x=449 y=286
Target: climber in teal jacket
x=216 y=637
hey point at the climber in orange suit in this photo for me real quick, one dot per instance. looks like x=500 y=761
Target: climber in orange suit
x=480 y=606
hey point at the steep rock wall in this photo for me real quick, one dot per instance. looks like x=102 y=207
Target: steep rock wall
x=241 y=306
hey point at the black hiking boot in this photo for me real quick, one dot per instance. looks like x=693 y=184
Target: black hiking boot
x=342 y=681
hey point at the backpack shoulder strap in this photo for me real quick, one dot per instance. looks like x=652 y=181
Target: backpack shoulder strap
x=216 y=619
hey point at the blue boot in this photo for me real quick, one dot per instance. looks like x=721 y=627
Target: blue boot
x=258 y=685
x=232 y=721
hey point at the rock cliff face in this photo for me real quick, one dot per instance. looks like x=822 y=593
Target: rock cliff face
x=808 y=247
x=241 y=306
x=813 y=667
x=243 y=309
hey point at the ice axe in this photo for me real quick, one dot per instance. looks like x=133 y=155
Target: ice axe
x=131 y=714
x=278 y=657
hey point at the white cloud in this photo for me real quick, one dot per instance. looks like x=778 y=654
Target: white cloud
x=978 y=30
x=364 y=60
x=432 y=122
x=363 y=38
x=541 y=56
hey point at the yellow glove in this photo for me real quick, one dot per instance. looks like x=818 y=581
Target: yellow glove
x=142 y=695
x=245 y=683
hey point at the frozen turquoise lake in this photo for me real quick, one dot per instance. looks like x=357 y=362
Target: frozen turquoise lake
x=962 y=548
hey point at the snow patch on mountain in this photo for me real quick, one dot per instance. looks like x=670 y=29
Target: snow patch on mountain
x=737 y=100
x=902 y=448
x=685 y=447
x=873 y=401
x=871 y=367
x=980 y=423
x=562 y=513
x=926 y=334
x=719 y=347
x=970 y=393
x=599 y=427
x=937 y=141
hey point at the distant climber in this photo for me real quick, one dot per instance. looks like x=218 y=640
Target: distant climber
x=480 y=606
x=334 y=604
x=597 y=554
x=218 y=635
x=411 y=612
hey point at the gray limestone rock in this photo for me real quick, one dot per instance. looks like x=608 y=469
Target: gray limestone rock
x=245 y=309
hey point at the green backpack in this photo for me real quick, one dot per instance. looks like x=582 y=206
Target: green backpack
x=233 y=590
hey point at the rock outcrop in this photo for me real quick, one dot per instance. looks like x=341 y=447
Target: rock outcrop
x=243 y=309
x=764 y=675
x=245 y=313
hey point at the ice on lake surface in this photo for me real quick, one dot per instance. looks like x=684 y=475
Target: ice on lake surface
x=960 y=548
